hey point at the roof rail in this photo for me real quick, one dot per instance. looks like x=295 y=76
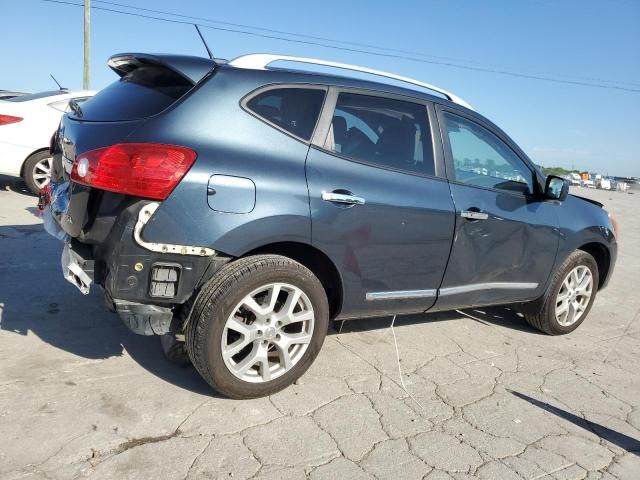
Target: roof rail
x=260 y=61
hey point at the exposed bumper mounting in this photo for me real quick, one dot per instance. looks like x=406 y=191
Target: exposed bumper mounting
x=143 y=217
x=76 y=269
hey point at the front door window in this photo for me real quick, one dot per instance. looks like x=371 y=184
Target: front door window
x=480 y=158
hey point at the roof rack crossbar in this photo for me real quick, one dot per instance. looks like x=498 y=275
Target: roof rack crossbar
x=260 y=61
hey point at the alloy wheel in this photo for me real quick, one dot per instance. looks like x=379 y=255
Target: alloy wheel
x=574 y=295
x=42 y=172
x=268 y=332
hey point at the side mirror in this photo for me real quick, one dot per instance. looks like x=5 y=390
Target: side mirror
x=556 y=188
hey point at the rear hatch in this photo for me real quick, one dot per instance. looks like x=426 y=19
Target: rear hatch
x=148 y=86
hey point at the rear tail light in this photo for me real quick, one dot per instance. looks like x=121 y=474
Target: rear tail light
x=7 y=119
x=146 y=170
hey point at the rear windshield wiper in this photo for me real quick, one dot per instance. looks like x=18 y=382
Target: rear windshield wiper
x=75 y=107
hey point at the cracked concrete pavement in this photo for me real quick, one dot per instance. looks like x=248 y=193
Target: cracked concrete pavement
x=487 y=397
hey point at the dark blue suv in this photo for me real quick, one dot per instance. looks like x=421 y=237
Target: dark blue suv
x=235 y=208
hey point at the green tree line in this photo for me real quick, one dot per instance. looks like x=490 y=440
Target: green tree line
x=559 y=171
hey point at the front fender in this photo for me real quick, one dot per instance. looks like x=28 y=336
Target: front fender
x=581 y=224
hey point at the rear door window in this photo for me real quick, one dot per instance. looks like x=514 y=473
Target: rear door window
x=141 y=93
x=294 y=110
x=382 y=131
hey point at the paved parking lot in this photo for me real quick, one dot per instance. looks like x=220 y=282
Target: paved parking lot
x=486 y=397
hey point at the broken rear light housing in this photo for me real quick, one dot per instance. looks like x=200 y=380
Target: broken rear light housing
x=165 y=278
x=147 y=170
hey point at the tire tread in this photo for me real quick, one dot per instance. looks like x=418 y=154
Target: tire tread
x=540 y=314
x=212 y=293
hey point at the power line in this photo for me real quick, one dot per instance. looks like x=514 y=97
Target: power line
x=345 y=42
x=367 y=52
x=283 y=32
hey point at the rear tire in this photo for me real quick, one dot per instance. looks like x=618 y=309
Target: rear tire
x=175 y=350
x=569 y=297
x=37 y=171
x=257 y=326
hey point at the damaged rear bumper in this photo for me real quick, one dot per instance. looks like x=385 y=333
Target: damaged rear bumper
x=77 y=269
x=141 y=318
x=144 y=319
x=143 y=286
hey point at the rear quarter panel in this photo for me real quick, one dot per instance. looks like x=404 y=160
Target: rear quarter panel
x=230 y=141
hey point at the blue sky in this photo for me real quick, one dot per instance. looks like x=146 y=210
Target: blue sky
x=556 y=124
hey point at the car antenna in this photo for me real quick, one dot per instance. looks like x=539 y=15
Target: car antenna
x=204 y=41
x=57 y=82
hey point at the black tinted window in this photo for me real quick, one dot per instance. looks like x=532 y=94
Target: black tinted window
x=36 y=96
x=481 y=158
x=141 y=93
x=386 y=132
x=295 y=110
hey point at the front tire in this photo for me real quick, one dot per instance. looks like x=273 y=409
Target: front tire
x=37 y=171
x=257 y=326
x=569 y=298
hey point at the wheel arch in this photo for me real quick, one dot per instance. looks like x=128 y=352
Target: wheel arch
x=316 y=261
x=602 y=256
x=24 y=162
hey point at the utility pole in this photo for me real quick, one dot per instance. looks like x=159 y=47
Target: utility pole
x=86 y=73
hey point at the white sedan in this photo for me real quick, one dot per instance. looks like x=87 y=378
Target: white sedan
x=26 y=126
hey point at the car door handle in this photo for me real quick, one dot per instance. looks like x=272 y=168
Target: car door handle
x=474 y=215
x=345 y=198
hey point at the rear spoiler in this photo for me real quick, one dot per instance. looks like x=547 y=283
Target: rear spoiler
x=192 y=69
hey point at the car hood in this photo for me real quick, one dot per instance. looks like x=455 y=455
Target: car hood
x=588 y=200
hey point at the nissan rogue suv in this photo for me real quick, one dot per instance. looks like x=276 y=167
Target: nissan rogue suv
x=240 y=207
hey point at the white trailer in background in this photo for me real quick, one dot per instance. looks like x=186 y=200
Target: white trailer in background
x=622 y=186
x=575 y=179
x=604 y=184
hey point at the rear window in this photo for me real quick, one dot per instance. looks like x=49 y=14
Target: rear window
x=144 y=92
x=36 y=96
x=294 y=110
